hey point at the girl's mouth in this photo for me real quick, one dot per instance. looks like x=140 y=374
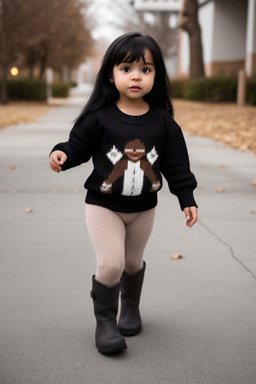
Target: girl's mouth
x=135 y=88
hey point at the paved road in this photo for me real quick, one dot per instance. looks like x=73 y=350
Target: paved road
x=199 y=312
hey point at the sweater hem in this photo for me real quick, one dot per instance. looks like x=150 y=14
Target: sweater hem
x=127 y=204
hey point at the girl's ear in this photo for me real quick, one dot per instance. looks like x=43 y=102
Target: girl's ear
x=111 y=78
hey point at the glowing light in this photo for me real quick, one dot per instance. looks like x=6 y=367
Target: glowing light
x=14 y=71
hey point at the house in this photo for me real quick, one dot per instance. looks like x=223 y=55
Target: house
x=228 y=31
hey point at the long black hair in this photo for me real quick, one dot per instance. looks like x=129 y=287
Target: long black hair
x=130 y=47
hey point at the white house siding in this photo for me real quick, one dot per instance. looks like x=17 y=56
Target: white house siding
x=223 y=28
x=251 y=38
x=230 y=30
x=183 y=54
x=206 y=20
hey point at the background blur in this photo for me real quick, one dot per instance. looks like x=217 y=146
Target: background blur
x=64 y=41
x=199 y=310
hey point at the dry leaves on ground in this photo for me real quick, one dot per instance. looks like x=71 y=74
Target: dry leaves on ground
x=228 y=123
x=21 y=112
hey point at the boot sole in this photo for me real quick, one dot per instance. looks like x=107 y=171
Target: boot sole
x=132 y=332
x=111 y=350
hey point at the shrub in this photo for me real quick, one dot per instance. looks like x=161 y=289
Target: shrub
x=27 y=89
x=194 y=90
x=177 y=88
x=60 y=89
x=251 y=90
x=213 y=89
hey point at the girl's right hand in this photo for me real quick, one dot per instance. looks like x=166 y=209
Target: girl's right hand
x=57 y=159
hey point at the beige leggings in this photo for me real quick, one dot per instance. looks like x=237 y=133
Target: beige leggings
x=119 y=240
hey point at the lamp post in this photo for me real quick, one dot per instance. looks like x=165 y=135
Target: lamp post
x=49 y=80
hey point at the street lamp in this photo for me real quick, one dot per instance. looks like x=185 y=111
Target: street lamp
x=14 y=71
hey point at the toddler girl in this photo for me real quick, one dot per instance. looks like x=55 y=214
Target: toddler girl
x=128 y=130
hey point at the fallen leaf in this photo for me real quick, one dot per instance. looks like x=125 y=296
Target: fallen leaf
x=28 y=210
x=254 y=182
x=13 y=166
x=223 y=166
x=220 y=189
x=252 y=212
x=176 y=256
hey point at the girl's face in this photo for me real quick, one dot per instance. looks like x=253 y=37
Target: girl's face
x=134 y=80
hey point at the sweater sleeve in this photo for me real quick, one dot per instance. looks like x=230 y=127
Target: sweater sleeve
x=82 y=142
x=176 y=167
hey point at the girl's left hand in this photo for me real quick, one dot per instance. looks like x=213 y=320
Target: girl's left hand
x=191 y=216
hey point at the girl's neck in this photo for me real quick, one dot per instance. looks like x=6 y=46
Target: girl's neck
x=133 y=108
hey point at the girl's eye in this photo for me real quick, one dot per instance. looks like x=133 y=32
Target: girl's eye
x=146 y=70
x=126 y=69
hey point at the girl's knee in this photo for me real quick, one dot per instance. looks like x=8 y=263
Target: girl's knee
x=133 y=266
x=109 y=274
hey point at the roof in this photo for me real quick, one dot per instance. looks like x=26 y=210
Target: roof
x=158 y=5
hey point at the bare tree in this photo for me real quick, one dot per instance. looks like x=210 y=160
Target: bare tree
x=189 y=23
x=40 y=33
x=3 y=60
x=121 y=15
x=58 y=34
x=10 y=32
x=74 y=41
x=161 y=31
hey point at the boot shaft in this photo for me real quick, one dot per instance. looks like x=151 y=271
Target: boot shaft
x=131 y=286
x=105 y=298
x=130 y=320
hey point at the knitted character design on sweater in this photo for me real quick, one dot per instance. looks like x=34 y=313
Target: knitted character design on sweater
x=132 y=167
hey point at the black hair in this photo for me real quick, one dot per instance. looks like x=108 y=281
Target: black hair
x=130 y=47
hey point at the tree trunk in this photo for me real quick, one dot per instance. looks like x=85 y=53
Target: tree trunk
x=42 y=64
x=43 y=57
x=189 y=23
x=30 y=56
x=31 y=66
x=4 y=92
x=3 y=65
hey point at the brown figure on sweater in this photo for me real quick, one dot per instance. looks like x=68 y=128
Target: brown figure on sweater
x=132 y=167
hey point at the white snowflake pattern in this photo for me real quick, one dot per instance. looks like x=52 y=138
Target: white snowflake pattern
x=152 y=156
x=114 y=155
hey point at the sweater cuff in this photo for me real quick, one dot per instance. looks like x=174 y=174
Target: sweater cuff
x=186 y=198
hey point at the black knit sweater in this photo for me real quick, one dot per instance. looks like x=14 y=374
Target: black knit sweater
x=129 y=155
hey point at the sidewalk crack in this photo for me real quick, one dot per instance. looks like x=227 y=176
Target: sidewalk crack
x=229 y=247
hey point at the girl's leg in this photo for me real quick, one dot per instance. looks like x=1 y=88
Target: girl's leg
x=107 y=233
x=138 y=232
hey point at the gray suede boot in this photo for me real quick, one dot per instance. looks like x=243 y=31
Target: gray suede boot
x=105 y=301
x=130 y=320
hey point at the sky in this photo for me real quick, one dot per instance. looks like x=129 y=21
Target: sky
x=104 y=14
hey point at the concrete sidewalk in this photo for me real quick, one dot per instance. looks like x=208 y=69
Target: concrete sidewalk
x=199 y=312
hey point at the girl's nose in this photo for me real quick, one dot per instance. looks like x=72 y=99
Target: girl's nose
x=136 y=75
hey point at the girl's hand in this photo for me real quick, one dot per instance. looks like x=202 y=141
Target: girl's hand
x=57 y=159
x=191 y=216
